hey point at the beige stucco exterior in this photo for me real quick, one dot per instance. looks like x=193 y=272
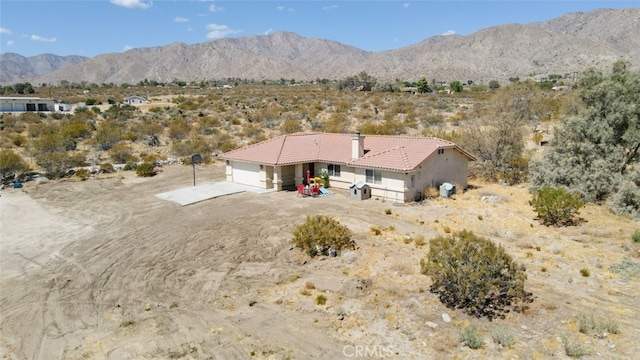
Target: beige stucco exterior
x=447 y=165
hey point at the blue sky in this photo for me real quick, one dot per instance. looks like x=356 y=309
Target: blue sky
x=94 y=27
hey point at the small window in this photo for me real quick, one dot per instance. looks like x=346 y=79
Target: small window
x=440 y=151
x=334 y=170
x=413 y=181
x=374 y=176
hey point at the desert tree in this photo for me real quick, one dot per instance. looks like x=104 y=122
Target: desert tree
x=456 y=86
x=597 y=150
x=361 y=81
x=423 y=86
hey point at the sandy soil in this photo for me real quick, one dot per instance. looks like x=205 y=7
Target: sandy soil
x=103 y=269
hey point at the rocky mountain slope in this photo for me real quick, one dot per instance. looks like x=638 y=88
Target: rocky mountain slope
x=564 y=45
x=15 y=67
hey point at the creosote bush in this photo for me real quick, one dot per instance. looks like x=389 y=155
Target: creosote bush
x=145 y=170
x=556 y=206
x=320 y=234
x=471 y=273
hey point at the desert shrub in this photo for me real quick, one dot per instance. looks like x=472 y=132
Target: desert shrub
x=387 y=211
x=56 y=164
x=121 y=153
x=145 y=170
x=556 y=206
x=83 y=173
x=106 y=168
x=626 y=200
x=319 y=234
x=130 y=166
x=18 y=140
x=321 y=299
x=599 y=327
x=471 y=338
x=585 y=272
x=471 y=273
x=573 y=347
x=636 y=236
x=10 y=163
x=502 y=336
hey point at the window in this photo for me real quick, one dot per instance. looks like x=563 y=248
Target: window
x=440 y=151
x=334 y=170
x=374 y=176
x=413 y=181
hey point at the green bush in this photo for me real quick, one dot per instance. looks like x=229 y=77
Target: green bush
x=145 y=170
x=636 y=236
x=320 y=234
x=556 y=206
x=472 y=273
x=471 y=338
x=321 y=299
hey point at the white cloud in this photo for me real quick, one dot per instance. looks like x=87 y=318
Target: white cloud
x=5 y=31
x=10 y=42
x=180 y=19
x=214 y=8
x=448 y=32
x=330 y=7
x=269 y=31
x=132 y=3
x=219 y=31
x=406 y=5
x=43 y=39
x=127 y=47
x=282 y=8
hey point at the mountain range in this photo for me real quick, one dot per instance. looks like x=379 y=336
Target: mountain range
x=564 y=45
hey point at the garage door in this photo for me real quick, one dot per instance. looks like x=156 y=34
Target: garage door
x=246 y=173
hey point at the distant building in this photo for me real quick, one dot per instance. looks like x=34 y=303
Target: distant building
x=561 y=88
x=20 y=104
x=135 y=100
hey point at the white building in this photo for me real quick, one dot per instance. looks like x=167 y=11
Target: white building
x=20 y=104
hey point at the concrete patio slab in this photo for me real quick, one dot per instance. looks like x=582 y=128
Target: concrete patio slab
x=194 y=194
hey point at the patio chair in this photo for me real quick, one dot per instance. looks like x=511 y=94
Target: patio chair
x=301 y=190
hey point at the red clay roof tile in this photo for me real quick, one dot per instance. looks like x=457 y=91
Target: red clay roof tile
x=396 y=153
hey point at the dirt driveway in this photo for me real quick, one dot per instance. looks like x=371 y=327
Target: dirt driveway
x=104 y=269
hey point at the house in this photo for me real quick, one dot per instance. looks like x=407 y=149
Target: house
x=134 y=100
x=20 y=104
x=395 y=168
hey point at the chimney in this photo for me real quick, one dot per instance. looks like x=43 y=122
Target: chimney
x=357 y=145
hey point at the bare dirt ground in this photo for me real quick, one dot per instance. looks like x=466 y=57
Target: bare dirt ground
x=103 y=269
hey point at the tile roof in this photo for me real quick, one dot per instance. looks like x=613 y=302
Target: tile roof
x=396 y=153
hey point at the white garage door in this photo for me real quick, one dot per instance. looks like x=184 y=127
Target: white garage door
x=246 y=173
